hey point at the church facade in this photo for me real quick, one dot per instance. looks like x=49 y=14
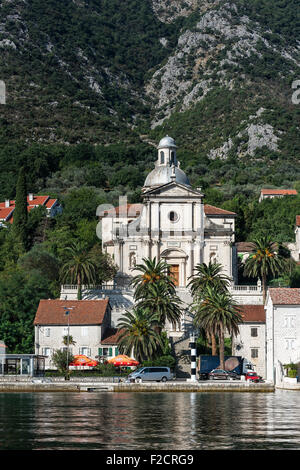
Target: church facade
x=172 y=224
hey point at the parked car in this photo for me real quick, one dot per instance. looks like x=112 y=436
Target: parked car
x=203 y=375
x=220 y=374
x=253 y=377
x=158 y=374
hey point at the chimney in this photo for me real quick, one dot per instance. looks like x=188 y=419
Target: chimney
x=7 y=202
x=30 y=197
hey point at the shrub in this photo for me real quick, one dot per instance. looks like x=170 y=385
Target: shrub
x=166 y=361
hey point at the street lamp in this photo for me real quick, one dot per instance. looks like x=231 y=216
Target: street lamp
x=67 y=313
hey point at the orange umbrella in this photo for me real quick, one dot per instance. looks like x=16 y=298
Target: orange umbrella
x=123 y=360
x=82 y=360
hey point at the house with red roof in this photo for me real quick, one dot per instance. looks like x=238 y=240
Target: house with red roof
x=282 y=330
x=274 y=193
x=87 y=321
x=8 y=206
x=250 y=341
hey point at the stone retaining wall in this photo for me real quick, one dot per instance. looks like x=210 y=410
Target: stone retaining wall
x=64 y=386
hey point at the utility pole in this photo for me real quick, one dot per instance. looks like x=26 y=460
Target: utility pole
x=193 y=357
x=67 y=313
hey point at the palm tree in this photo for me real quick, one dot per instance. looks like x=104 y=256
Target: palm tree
x=265 y=261
x=218 y=313
x=79 y=268
x=161 y=304
x=68 y=339
x=207 y=275
x=138 y=335
x=151 y=272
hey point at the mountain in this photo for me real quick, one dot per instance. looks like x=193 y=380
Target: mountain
x=214 y=74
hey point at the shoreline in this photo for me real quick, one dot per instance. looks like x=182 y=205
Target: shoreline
x=79 y=387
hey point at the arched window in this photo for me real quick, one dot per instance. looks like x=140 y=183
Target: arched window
x=162 y=157
x=172 y=158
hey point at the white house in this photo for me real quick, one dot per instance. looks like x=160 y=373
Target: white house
x=282 y=329
x=251 y=342
x=87 y=321
x=274 y=193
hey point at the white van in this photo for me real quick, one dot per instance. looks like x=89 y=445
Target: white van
x=158 y=374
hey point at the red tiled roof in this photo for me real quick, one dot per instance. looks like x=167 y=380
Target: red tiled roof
x=244 y=247
x=298 y=220
x=6 y=212
x=253 y=313
x=50 y=203
x=37 y=200
x=279 y=191
x=212 y=210
x=111 y=336
x=130 y=210
x=285 y=295
x=86 y=312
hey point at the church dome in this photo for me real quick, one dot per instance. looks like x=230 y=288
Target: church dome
x=163 y=175
x=166 y=142
x=167 y=168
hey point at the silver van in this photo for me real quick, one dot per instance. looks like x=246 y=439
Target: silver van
x=158 y=374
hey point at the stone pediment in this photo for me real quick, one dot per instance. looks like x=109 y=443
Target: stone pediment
x=173 y=189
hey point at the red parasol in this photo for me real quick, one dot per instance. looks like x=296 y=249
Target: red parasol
x=82 y=360
x=122 y=360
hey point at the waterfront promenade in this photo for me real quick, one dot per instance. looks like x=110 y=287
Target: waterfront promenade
x=60 y=385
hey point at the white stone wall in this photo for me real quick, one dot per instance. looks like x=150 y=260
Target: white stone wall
x=51 y=337
x=244 y=343
x=283 y=336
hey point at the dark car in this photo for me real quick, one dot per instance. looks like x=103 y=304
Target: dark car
x=220 y=374
x=203 y=375
x=253 y=377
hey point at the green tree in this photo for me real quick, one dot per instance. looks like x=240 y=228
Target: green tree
x=79 y=268
x=20 y=213
x=20 y=294
x=207 y=276
x=62 y=359
x=138 y=335
x=162 y=305
x=218 y=313
x=155 y=292
x=265 y=260
x=151 y=273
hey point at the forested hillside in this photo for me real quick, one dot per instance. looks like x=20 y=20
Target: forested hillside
x=92 y=86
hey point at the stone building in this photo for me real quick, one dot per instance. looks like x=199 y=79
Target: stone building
x=282 y=329
x=173 y=224
x=250 y=342
x=275 y=193
x=87 y=321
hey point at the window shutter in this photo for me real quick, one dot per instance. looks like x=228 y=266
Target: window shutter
x=100 y=352
x=110 y=352
x=116 y=351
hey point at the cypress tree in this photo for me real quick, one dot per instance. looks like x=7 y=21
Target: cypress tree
x=20 y=213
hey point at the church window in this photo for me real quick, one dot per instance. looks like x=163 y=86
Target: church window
x=132 y=260
x=173 y=216
x=172 y=158
x=162 y=157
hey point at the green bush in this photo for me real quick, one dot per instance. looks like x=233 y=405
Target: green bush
x=292 y=373
x=166 y=361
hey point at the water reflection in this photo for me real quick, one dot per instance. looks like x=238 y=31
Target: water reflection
x=167 y=421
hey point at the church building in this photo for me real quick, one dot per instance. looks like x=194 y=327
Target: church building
x=172 y=224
